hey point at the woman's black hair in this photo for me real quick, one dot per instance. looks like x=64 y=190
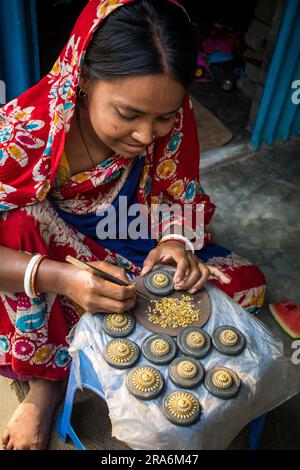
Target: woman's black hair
x=145 y=37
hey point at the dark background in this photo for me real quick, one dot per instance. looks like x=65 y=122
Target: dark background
x=56 y=21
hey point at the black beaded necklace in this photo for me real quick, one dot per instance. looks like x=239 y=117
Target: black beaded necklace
x=82 y=137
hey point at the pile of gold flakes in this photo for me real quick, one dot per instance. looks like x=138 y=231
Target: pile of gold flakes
x=172 y=312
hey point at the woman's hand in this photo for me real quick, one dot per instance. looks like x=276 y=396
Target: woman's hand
x=191 y=273
x=93 y=293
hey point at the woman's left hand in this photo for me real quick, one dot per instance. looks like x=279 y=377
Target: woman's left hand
x=191 y=273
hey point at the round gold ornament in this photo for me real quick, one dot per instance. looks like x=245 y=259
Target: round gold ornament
x=228 y=340
x=194 y=342
x=186 y=372
x=159 y=282
x=118 y=325
x=121 y=353
x=186 y=369
x=145 y=382
x=181 y=408
x=222 y=379
x=159 y=349
x=222 y=382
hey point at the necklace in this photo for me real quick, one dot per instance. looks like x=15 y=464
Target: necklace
x=83 y=139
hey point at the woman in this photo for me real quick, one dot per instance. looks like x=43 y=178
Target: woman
x=111 y=119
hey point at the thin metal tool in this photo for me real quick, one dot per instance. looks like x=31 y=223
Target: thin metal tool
x=108 y=277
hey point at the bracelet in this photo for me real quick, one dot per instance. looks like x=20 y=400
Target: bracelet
x=174 y=236
x=174 y=240
x=29 y=278
x=34 y=274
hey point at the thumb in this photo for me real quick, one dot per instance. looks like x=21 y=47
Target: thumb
x=148 y=264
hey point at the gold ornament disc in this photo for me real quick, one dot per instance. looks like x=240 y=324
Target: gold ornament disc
x=229 y=338
x=160 y=347
x=117 y=321
x=195 y=340
x=160 y=280
x=182 y=405
x=187 y=369
x=120 y=351
x=145 y=379
x=222 y=379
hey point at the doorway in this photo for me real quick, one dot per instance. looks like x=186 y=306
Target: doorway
x=233 y=42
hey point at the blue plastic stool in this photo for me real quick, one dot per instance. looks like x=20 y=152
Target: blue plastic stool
x=90 y=381
x=256 y=428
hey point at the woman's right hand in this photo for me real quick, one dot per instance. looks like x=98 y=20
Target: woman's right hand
x=93 y=293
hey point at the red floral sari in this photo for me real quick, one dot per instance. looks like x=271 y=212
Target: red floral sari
x=33 y=130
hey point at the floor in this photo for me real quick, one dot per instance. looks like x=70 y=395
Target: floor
x=259 y=196
x=222 y=103
x=8 y=402
x=258 y=207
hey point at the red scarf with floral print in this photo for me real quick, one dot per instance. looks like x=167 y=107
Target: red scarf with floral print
x=33 y=130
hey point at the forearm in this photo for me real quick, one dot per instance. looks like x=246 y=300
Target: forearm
x=13 y=265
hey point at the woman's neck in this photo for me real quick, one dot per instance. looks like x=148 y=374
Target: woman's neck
x=84 y=151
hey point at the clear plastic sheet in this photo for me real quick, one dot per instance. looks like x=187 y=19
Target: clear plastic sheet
x=268 y=379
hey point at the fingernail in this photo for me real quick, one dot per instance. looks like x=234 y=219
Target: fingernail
x=178 y=285
x=192 y=291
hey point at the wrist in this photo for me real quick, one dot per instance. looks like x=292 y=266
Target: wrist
x=188 y=244
x=52 y=277
x=172 y=240
x=30 y=275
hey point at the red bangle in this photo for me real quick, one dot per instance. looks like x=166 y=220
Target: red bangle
x=34 y=274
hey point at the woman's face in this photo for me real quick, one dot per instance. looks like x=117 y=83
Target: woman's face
x=126 y=113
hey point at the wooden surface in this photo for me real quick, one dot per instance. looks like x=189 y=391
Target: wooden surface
x=211 y=131
x=141 y=309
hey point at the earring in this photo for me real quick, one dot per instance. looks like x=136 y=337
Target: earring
x=81 y=93
x=154 y=136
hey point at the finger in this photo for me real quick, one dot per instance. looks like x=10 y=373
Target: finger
x=149 y=262
x=111 y=269
x=216 y=273
x=5 y=439
x=183 y=266
x=10 y=445
x=203 y=279
x=105 y=288
x=108 y=305
x=193 y=276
